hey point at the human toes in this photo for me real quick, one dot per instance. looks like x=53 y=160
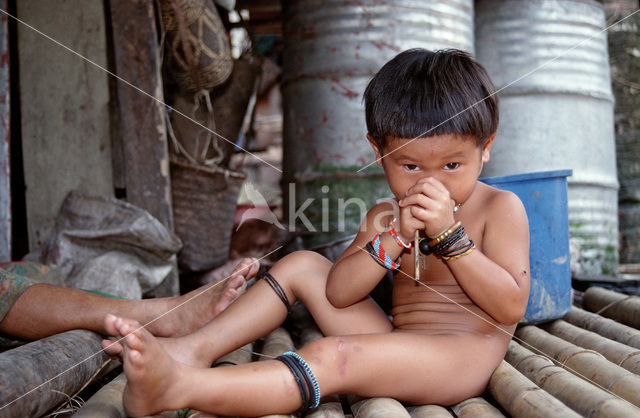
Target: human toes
x=112 y=348
x=109 y=325
x=128 y=327
x=247 y=267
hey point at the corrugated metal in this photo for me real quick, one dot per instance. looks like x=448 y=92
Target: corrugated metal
x=5 y=137
x=556 y=108
x=332 y=49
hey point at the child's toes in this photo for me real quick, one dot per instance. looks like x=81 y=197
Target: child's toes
x=112 y=347
x=127 y=326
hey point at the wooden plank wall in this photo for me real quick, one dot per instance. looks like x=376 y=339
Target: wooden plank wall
x=64 y=107
x=5 y=137
x=141 y=129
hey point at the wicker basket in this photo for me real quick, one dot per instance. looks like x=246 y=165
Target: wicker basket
x=204 y=203
x=199 y=56
x=189 y=10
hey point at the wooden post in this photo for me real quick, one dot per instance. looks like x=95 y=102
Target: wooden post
x=5 y=137
x=141 y=129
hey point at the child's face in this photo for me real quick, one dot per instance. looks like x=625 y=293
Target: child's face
x=454 y=161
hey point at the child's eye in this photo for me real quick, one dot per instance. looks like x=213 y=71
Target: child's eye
x=451 y=166
x=411 y=167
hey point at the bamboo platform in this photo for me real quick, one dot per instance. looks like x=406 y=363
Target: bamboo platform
x=585 y=364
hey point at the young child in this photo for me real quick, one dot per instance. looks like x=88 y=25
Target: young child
x=432 y=119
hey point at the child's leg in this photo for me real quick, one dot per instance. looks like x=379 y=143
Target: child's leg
x=302 y=276
x=442 y=369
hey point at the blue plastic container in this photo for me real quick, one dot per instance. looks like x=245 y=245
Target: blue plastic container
x=544 y=195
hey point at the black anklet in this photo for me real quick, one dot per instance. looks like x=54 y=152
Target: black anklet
x=278 y=290
x=306 y=380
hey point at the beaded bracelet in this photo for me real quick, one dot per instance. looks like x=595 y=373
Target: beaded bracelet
x=445 y=234
x=450 y=245
x=396 y=237
x=378 y=253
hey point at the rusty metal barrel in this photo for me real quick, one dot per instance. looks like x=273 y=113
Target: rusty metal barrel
x=550 y=60
x=331 y=51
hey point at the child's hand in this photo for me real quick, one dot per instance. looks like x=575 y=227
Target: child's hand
x=429 y=202
x=408 y=225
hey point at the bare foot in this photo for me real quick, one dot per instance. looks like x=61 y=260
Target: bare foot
x=188 y=313
x=153 y=377
x=192 y=311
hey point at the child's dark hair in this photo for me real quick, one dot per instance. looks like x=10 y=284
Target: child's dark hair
x=422 y=93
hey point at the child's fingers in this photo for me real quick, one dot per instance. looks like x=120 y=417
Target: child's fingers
x=409 y=224
x=428 y=185
x=443 y=205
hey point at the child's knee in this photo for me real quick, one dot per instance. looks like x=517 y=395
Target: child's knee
x=303 y=261
x=330 y=358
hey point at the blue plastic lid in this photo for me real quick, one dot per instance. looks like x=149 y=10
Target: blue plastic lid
x=527 y=176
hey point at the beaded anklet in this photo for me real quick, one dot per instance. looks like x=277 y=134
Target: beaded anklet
x=306 y=380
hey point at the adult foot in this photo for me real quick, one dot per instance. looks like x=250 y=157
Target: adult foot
x=192 y=311
x=153 y=377
x=187 y=313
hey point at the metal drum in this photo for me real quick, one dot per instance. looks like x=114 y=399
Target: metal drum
x=623 y=47
x=331 y=51
x=549 y=58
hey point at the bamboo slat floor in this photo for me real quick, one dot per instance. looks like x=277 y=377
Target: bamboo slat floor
x=581 y=365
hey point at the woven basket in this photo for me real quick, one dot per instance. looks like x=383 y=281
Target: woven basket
x=189 y=10
x=198 y=56
x=204 y=204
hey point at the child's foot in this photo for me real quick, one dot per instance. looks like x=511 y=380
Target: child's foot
x=152 y=375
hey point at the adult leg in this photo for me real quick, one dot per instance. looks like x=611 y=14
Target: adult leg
x=442 y=369
x=45 y=309
x=302 y=276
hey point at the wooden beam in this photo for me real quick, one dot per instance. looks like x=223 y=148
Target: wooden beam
x=141 y=129
x=5 y=138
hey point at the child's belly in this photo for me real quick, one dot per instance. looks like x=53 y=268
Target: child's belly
x=440 y=309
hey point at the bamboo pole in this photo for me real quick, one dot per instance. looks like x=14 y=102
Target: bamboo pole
x=604 y=326
x=42 y=374
x=327 y=410
x=379 y=408
x=429 y=411
x=587 y=364
x=309 y=334
x=107 y=402
x=276 y=343
x=618 y=353
x=577 y=393
x=240 y=356
x=520 y=397
x=476 y=408
x=618 y=306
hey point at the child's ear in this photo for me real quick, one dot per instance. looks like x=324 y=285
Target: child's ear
x=375 y=149
x=486 y=148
